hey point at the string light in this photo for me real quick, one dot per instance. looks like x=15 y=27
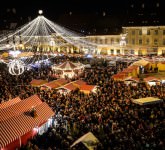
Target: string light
x=39 y=32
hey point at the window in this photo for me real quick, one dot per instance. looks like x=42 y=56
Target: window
x=140 y=41
x=112 y=51
x=163 y=41
x=148 y=32
x=163 y=52
x=112 y=41
x=156 y=32
x=147 y=41
x=132 y=51
x=96 y=40
x=133 y=41
x=155 y=41
x=118 y=51
x=106 y=41
x=140 y=52
x=163 y=32
x=133 y=32
x=140 y=32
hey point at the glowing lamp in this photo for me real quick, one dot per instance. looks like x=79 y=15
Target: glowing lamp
x=40 y=12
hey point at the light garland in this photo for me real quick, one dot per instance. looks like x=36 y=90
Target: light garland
x=16 y=67
x=40 y=31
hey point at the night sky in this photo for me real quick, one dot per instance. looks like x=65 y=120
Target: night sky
x=54 y=8
x=87 y=14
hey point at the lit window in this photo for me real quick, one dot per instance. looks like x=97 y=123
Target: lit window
x=133 y=41
x=118 y=51
x=105 y=41
x=132 y=51
x=148 y=32
x=140 y=41
x=96 y=40
x=112 y=41
x=147 y=41
x=155 y=41
x=163 y=41
x=156 y=32
x=163 y=32
x=140 y=32
x=133 y=32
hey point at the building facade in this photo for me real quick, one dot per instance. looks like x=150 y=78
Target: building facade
x=139 y=40
x=145 y=40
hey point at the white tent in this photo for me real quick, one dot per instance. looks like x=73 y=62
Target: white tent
x=147 y=100
x=89 y=140
x=141 y=62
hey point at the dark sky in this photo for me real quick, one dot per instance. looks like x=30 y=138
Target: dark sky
x=87 y=14
x=54 y=8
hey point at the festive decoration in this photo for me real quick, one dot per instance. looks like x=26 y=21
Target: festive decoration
x=69 y=69
x=40 y=35
x=16 y=67
x=41 y=31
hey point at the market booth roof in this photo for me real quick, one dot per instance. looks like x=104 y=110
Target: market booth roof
x=9 y=103
x=36 y=82
x=151 y=79
x=16 y=120
x=56 y=83
x=68 y=66
x=147 y=100
x=141 y=62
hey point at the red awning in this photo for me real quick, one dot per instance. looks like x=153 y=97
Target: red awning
x=13 y=128
x=56 y=83
x=19 y=107
x=16 y=120
x=87 y=87
x=9 y=103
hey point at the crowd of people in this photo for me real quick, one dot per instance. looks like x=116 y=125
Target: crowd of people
x=109 y=114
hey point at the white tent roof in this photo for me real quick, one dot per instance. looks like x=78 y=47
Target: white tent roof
x=141 y=62
x=147 y=100
x=89 y=140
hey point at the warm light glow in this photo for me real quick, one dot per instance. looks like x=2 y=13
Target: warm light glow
x=20 y=45
x=40 y=12
x=7 y=45
x=14 y=53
